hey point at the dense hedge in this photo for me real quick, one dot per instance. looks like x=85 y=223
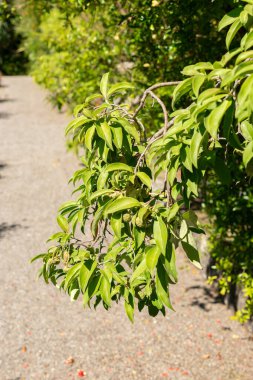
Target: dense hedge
x=70 y=46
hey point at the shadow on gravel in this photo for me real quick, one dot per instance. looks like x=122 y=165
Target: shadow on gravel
x=2 y=167
x=4 y=227
x=207 y=298
x=6 y=100
x=4 y=115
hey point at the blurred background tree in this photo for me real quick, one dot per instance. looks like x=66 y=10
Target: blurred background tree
x=13 y=60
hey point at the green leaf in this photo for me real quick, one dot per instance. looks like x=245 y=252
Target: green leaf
x=56 y=236
x=116 y=224
x=77 y=109
x=160 y=234
x=195 y=147
x=181 y=89
x=92 y=288
x=245 y=91
x=152 y=256
x=173 y=210
x=104 y=131
x=139 y=270
x=185 y=154
x=243 y=56
x=121 y=204
x=243 y=69
x=195 y=69
x=89 y=137
x=207 y=94
x=145 y=179
x=232 y=32
x=192 y=254
x=247 y=130
x=162 y=285
x=139 y=236
x=72 y=274
x=117 y=136
x=119 y=87
x=183 y=230
x=101 y=192
x=197 y=82
x=213 y=120
x=129 y=128
x=118 y=166
x=63 y=223
x=40 y=256
x=229 y=18
x=170 y=262
x=191 y=218
x=105 y=290
x=76 y=123
x=97 y=217
x=86 y=272
x=129 y=306
x=247 y=154
x=102 y=179
x=92 y=97
x=229 y=55
x=104 y=85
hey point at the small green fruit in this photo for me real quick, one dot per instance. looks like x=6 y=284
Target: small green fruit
x=127 y=217
x=138 y=222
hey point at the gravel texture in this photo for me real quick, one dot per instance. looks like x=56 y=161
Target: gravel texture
x=40 y=328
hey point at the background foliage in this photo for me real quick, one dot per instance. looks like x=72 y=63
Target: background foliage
x=230 y=207
x=70 y=47
x=12 y=59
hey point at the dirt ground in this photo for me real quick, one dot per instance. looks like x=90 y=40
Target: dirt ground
x=40 y=328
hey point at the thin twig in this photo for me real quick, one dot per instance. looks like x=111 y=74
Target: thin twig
x=165 y=113
x=154 y=138
x=147 y=91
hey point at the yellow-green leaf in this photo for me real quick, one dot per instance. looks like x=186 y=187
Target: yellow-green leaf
x=248 y=153
x=89 y=137
x=63 y=223
x=104 y=85
x=160 y=234
x=152 y=256
x=145 y=179
x=213 y=120
x=121 y=204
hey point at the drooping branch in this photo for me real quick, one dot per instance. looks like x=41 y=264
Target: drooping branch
x=167 y=124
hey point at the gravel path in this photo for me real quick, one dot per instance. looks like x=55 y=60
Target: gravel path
x=39 y=327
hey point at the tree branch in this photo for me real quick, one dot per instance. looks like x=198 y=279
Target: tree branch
x=147 y=91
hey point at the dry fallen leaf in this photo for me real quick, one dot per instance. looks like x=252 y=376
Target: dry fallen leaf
x=24 y=349
x=70 y=360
